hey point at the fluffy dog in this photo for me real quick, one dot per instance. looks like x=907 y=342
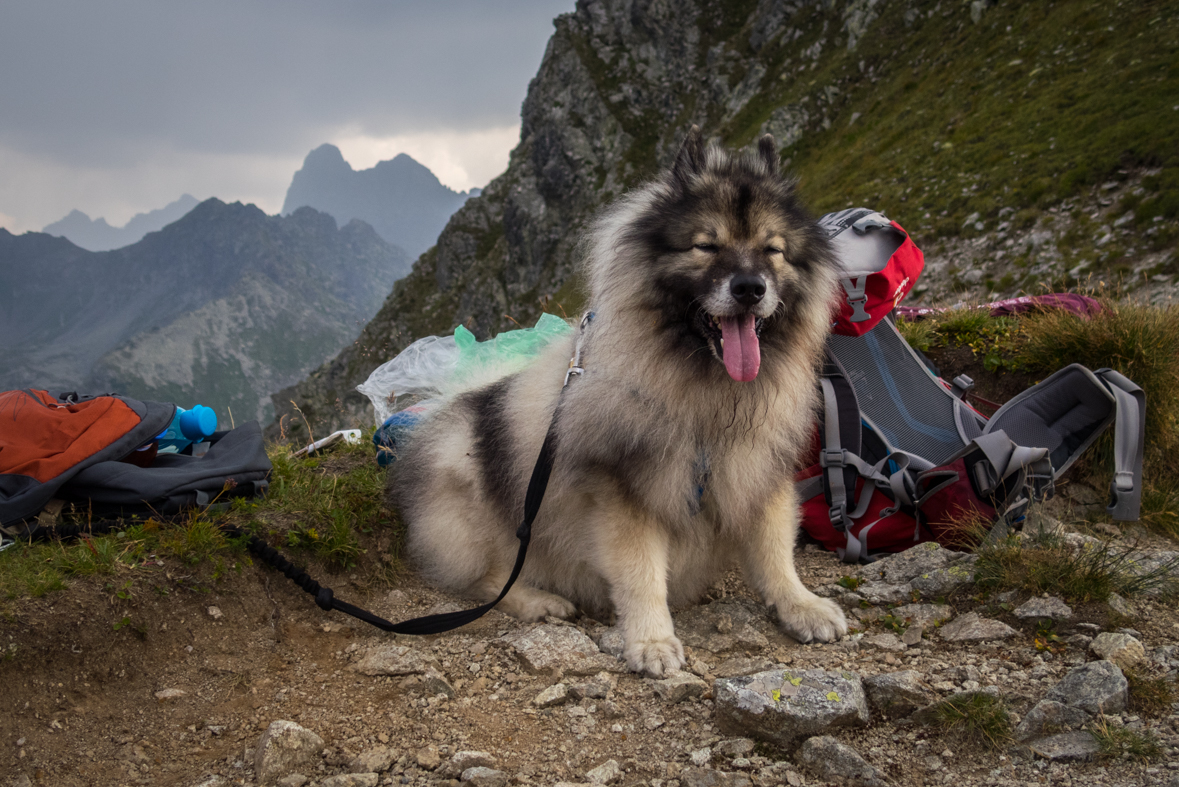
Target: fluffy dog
x=712 y=290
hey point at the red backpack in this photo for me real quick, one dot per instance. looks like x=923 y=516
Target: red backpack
x=900 y=458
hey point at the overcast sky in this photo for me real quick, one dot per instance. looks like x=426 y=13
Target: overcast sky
x=120 y=106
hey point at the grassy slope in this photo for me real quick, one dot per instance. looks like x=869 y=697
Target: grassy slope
x=1024 y=109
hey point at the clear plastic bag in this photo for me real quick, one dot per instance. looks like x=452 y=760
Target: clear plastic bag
x=440 y=366
x=419 y=371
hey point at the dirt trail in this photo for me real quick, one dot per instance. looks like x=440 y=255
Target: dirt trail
x=80 y=705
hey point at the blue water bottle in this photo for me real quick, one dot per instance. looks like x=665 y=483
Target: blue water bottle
x=188 y=426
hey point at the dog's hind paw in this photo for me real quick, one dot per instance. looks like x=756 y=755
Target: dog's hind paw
x=529 y=604
x=655 y=658
x=813 y=619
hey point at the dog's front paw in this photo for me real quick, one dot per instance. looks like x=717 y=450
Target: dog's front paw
x=529 y=604
x=813 y=618
x=655 y=657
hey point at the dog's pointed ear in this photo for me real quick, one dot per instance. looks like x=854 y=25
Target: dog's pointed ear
x=690 y=160
x=768 y=148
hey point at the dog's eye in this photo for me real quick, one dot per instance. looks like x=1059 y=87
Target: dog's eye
x=708 y=247
x=773 y=250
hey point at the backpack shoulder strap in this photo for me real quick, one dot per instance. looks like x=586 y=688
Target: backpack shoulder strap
x=1068 y=411
x=1129 y=441
x=841 y=441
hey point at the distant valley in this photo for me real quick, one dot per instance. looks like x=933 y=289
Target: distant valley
x=214 y=303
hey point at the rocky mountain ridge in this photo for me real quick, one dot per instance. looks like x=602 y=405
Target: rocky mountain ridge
x=994 y=147
x=403 y=200
x=221 y=308
x=98 y=235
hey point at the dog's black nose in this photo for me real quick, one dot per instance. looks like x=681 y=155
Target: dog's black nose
x=747 y=288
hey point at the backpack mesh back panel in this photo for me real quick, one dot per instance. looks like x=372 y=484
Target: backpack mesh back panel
x=897 y=392
x=1070 y=409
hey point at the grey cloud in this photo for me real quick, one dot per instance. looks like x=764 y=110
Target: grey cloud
x=92 y=84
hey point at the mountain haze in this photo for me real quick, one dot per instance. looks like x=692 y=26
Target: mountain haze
x=402 y=200
x=98 y=235
x=220 y=308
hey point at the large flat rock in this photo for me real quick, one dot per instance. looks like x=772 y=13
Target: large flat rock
x=973 y=628
x=1066 y=747
x=555 y=647
x=781 y=706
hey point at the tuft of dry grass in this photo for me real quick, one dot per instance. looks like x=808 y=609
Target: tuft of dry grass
x=1150 y=696
x=1117 y=742
x=1138 y=340
x=1039 y=560
x=980 y=717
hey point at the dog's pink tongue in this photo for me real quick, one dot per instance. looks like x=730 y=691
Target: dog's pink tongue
x=742 y=352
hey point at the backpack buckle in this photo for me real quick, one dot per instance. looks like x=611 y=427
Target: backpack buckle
x=1123 y=481
x=961 y=385
x=858 y=312
x=838 y=515
x=832 y=457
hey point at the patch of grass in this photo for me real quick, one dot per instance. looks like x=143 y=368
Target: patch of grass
x=1038 y=561
x=1122 y=742
x=1160 y=506
x=319 y=504
x=1138 y=340
x=980 y=717
x=894 y=624
x=997 y=340
x=197 y=538
x=1150 y=696
x=920 y=334
x=22 y=574
x=849 y=582
x=322 y=511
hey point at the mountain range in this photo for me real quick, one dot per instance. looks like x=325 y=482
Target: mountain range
x=221 y=308
x=403 y=200
x=98 y=235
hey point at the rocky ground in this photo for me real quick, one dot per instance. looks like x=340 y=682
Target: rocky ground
x=246 y=681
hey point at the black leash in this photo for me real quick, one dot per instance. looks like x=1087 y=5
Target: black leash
x=430 y=624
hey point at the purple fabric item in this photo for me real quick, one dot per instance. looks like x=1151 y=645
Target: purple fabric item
x=1080 y=305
